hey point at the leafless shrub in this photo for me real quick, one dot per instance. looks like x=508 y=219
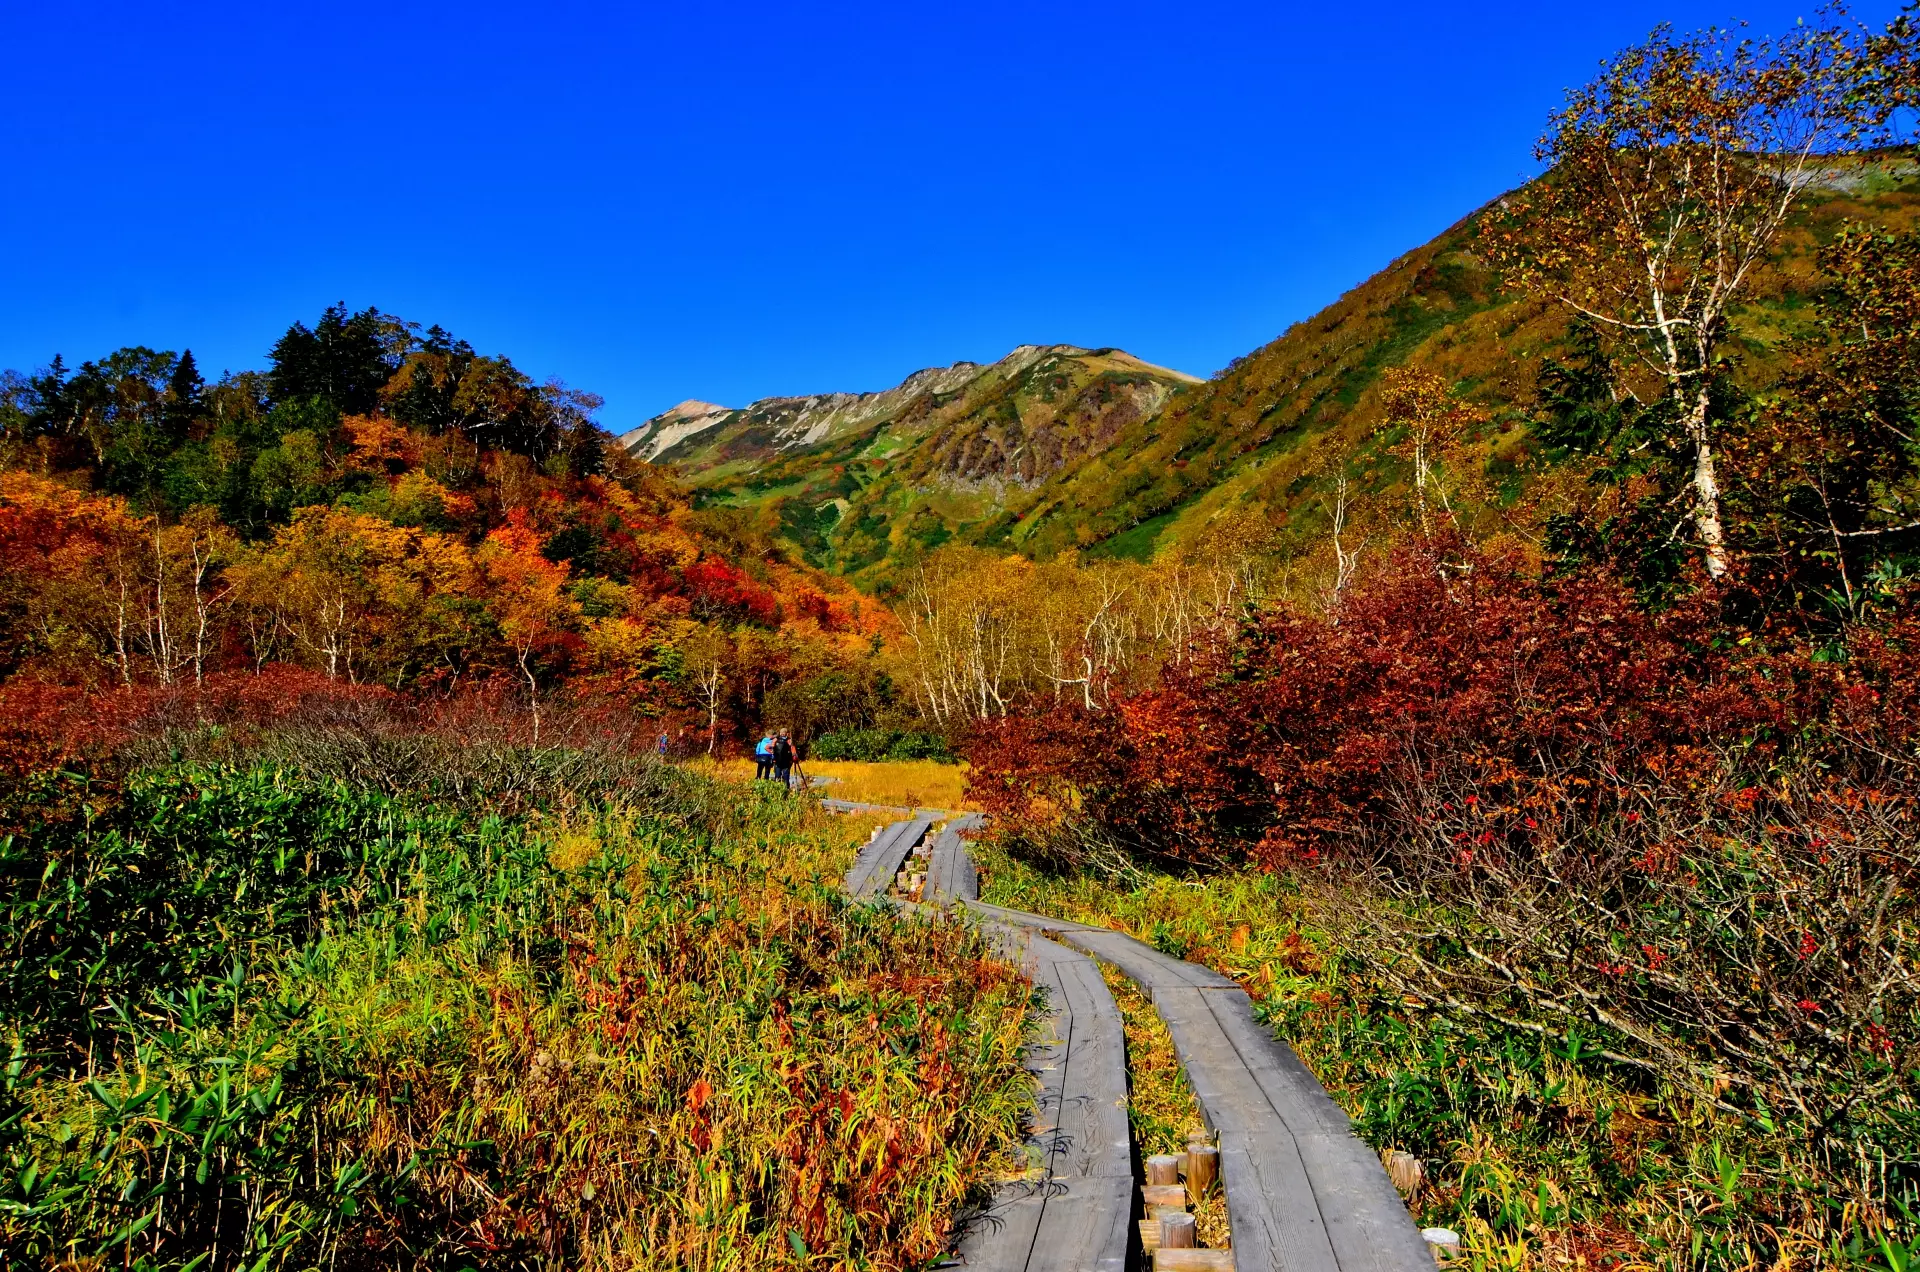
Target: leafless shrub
x=1756 y=945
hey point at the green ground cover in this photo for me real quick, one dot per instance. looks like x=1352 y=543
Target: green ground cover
x=265 y=1018
x=1543 y=1153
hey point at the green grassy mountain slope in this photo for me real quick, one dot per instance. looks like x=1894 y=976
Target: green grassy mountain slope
x=1055 y=449
x=1257 y=437
x=852 y=480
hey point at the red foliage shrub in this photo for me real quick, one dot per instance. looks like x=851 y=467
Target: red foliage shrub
x=724 y=591
x=1455 y=672
x=1683 y=831
x=44 y=726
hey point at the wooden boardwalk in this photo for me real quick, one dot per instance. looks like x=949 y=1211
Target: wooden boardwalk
x=1303 y=1193
x=1075 y=1210
x=950 y=873
x=882 y=857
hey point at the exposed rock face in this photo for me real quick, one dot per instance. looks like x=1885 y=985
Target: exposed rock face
x=1024 y=447
x=846 y=473
x=1016 y=419
x=672 y=426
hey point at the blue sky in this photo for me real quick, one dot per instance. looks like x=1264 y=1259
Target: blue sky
x=730 y=201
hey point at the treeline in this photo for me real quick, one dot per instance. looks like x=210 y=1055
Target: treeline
x=144 y=424
x=385 y=506
x=985 y=636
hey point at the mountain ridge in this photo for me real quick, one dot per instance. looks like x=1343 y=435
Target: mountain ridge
x=661 y=433
x=838 y=474
x=1124 y=459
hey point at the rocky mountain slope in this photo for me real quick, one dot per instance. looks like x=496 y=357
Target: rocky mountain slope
x=853 y=479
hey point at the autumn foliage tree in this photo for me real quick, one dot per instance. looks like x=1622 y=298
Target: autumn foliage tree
x=1670 y=177
x=1828 y=473
x=383 y=507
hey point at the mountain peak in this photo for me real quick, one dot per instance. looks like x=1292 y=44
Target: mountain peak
x=673 y=426
x=690 y=408
x=964 y=434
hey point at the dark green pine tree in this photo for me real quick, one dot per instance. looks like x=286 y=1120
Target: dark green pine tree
x=343 y=360
x=186 y=400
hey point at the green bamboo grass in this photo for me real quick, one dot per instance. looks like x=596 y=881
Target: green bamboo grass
x=260 y=1020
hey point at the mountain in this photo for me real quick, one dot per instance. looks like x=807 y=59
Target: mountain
x=853 y=479
x=1256 y=439
x=1055 y=449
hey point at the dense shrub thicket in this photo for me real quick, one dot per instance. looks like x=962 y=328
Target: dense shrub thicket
x=876 y=745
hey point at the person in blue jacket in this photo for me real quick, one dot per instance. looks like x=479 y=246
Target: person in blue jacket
x=763 y=758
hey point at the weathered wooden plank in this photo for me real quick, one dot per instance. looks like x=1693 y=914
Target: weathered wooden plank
x=950 y=872
x=1000 y=1238
x=1092 y=1139
x=1303 y=1193
x=1085 y=1225
x=1028 y=922
x=1271 y=1207
x=1195 y=1260
x=1367 y=1222
x=1301 y=1189
x=880 y=860
x=860 y=874
x=1075 y=1212
x=1143 y=964
x=1288 y=1085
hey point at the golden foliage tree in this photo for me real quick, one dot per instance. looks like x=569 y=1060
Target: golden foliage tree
x=1671 y=176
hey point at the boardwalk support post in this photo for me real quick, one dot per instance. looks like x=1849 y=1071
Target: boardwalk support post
x=1203 y=1171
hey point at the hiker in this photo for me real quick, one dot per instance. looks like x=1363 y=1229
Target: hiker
x=783 y=759
x=763 y=758
x=661 y=747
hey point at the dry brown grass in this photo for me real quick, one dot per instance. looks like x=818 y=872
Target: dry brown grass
x=897 y=783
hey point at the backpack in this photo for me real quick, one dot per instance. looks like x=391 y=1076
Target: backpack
x=765 y=749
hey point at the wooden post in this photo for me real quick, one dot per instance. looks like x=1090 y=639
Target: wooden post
x=1407 y=1174
x=1176 y=1232
x=1157 y=1197
x=1444 y=1242
x=1203 y=1170
x=1163 y=1169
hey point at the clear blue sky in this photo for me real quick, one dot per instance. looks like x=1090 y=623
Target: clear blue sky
x=658 y=202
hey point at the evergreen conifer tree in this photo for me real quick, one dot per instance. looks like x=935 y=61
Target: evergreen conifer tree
x=186 y=399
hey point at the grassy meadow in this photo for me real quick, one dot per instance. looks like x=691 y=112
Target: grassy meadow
x=894 y=783
x=260 y=1017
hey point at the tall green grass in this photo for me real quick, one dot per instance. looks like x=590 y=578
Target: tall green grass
x=258 y=1019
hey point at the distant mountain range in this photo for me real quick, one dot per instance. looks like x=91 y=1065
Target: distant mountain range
x=1056 y=448
x=854 y=479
